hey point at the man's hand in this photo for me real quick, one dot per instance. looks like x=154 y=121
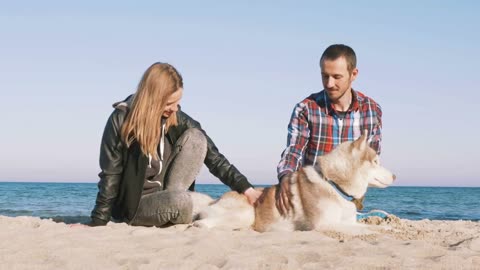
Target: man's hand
x=283 y=195
x=252 y=195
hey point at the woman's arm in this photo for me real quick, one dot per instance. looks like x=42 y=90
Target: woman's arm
x=111 y=164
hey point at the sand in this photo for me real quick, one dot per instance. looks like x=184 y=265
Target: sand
x=393 y=243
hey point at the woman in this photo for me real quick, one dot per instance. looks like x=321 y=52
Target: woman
x=151 y=153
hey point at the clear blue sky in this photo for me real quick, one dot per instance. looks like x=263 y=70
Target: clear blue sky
x=245 y=65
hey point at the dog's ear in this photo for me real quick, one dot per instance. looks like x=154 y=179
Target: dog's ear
x=361 y=142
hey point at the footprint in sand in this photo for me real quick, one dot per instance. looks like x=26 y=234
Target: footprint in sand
x=475 y=244
x=472 y=243
x=142 y=231
x=133 y=263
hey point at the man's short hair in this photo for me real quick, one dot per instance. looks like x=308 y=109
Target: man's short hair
x=333 y=52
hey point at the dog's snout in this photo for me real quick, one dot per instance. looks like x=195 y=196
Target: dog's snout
x=394 y=177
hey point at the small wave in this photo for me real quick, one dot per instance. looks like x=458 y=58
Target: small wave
x=413 y=213
x=15 y=213
x=69 y=219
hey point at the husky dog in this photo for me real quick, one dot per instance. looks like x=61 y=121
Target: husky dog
x=323 y=194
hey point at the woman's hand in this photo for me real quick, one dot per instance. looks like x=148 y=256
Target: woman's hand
x=252 y=195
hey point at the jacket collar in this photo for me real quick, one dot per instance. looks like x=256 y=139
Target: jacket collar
x=125 y=104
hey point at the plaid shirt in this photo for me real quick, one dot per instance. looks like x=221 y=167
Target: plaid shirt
x=316 y=129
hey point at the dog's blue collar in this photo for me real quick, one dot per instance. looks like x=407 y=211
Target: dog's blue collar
x=340 y=191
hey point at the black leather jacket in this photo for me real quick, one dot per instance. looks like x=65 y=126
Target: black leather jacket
x=123 y=169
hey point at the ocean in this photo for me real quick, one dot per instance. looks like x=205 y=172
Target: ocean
x=72 y=202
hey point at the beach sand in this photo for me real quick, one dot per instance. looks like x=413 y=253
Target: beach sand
x=393 y=243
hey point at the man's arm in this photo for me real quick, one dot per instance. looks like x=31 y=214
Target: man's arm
x=297 y=140
x=291 y=160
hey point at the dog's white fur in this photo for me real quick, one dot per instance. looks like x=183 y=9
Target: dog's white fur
x=352 y=166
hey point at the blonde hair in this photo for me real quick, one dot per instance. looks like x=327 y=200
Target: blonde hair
x=144 y=120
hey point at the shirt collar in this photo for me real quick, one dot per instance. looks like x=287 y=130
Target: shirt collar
x=325 y=103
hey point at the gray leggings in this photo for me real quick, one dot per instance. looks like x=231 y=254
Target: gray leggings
x=174 y=204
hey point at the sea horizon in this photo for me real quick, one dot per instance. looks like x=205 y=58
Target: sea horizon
x=220 y=184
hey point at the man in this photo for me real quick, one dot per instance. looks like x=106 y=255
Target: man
x=327 y=118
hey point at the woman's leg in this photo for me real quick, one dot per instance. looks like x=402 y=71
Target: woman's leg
x=174 y=204
x=164 y=207
x=186 y=160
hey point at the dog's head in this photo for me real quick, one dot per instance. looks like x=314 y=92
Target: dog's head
x=354 y=166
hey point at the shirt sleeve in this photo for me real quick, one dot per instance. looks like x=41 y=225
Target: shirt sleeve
x=297 y=140
x=377 y=130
